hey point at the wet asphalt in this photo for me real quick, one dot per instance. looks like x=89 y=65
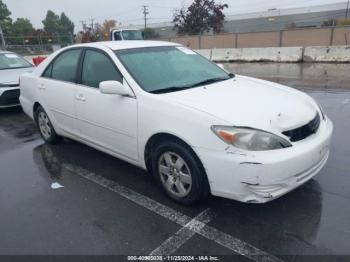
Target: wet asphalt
x=84 y=218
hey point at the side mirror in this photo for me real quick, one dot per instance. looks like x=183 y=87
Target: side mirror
x=115 y=88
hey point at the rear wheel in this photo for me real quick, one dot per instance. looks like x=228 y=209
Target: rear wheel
x=45 y=127
x=179 y=172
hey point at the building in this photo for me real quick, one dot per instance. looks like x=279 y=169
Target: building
x=270 y=20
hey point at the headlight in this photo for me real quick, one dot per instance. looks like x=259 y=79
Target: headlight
x=250 y=139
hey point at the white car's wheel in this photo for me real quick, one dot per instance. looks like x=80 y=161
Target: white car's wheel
x=45 y=127
x=179 y=172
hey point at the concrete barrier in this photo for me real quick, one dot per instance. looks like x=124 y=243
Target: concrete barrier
x=338 y=54
x=270 y=54
x=205 y=52
x=226 y=54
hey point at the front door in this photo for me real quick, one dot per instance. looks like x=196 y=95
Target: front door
x=109 y=121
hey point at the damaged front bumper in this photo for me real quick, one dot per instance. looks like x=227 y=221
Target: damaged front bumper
x=266 y=193
x=259 y=177
x=9 y=97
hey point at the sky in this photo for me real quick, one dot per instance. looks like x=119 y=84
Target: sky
x=130 y=12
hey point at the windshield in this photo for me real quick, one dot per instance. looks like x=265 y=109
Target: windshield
x=12 y=61
x=169 y=69
x=132 y=35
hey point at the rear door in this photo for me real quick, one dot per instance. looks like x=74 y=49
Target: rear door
x=57 y=89
x=108 y=121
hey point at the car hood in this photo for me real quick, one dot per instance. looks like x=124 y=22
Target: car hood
x=11 y=76
x=249 y=102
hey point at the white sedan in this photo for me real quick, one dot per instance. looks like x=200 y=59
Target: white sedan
x=11 y=67
x=168 y=110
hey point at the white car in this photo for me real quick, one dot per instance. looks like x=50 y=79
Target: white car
x=168 y=110
x=11 y=67
x=126 y=34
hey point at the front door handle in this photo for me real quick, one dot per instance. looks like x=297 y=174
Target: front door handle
x=80 y=97
x=42 y=87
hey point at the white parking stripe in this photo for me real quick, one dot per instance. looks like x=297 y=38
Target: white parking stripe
x=221 y=238
x=173 y=243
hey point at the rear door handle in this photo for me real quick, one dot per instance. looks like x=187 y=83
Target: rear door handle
x=42 y=87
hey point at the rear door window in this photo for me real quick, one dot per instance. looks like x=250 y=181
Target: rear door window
x=64 y=67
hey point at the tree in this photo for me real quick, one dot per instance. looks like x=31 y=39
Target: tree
x=61 y=26
x=22 y=26
x=149 y=33
x=56 y=24
x=330 y=22
x=106 y=27
x=66 y=26
x=5 y=19
x=51 y=23
x=200 y=17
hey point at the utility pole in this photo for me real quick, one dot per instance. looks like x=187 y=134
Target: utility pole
x=83 y=24
x=347 y=11
x=92 y=23
x=145 y=13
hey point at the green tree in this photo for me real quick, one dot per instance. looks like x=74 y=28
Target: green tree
x=5 y=19
x=66 y=26
x=330 y=22
x=149 y=33
x=61 y=26
x=22 y=26
x=202 y=16
x=51 y=23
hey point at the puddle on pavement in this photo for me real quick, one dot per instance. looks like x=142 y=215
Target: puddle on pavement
x=325 y=77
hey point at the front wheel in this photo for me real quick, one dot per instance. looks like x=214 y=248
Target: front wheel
x=45 y=127
x=179 y=172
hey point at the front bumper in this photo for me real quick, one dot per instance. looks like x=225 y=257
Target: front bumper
x=9 y=97
x=259 y=177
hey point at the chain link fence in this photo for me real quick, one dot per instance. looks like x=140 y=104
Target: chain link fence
x=37 y=45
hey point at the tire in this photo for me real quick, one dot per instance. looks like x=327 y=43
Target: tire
x=179 y=172
x=45 y=127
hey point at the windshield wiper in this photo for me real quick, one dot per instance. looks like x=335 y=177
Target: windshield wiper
x=213 y=80
x=169 y=89
x=179 y=88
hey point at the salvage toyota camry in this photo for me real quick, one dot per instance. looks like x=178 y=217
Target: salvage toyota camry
x=197 y=128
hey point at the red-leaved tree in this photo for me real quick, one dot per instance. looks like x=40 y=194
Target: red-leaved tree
x=202 y=16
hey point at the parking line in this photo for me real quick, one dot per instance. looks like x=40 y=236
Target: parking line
x=234 y=244
x=174 y=242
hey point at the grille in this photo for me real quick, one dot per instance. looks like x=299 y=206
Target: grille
x=305 y=131
x=9 y=85
x=10 y=97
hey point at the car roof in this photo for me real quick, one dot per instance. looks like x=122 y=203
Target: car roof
x=129 y=44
